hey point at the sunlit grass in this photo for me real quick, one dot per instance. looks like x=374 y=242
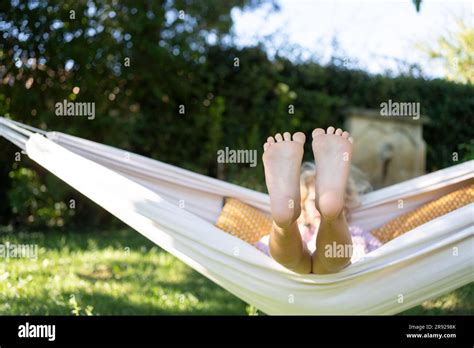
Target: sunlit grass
x=121 y=272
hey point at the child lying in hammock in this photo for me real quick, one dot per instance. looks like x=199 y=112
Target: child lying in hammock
x=325 y=194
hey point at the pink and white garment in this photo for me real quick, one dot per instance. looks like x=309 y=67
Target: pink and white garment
x=363 y=242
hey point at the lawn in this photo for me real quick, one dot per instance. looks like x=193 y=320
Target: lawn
x=121 y=272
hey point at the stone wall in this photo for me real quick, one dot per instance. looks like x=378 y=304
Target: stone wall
x=389 y=149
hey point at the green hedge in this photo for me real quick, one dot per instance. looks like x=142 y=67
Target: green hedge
x=173 y=65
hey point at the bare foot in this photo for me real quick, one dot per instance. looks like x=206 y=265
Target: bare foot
x=282 y=161
x=332 y=154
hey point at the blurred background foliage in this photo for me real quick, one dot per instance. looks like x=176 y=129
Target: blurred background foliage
x=139 y=61
x=456 y=51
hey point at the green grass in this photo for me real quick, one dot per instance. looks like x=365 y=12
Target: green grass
x=121 y=272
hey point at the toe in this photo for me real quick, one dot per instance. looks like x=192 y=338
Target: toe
x=270 y=140
x=287 y=136
x=345 y=135
x=338 y=131
x=330 y=130
x=278 y=137
x=351 y=139
x=299 y=137
x=266 y=146
x=318 y=131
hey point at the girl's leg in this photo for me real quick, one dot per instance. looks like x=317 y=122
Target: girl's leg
x=332 y=153
x=287 y=248
x=333 y=246
x=282 y=162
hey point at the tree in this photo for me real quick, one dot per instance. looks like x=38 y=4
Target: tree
x=137 y=61
x=456 y=51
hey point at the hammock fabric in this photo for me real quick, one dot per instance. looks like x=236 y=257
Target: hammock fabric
x=148 y=195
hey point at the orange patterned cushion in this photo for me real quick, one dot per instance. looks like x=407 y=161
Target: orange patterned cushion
x=243 y=221
x=425 y=213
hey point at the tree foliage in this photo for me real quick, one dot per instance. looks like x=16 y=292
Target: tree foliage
x=456 y=52
x=232 y=96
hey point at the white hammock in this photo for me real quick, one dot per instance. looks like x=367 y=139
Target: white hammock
x=146 y=194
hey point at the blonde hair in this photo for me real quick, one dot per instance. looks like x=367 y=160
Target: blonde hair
x=357 y=185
